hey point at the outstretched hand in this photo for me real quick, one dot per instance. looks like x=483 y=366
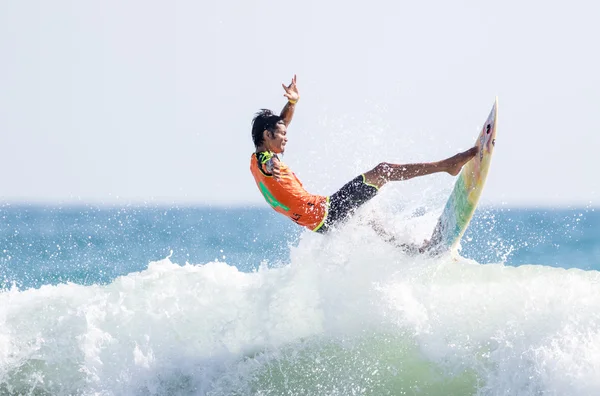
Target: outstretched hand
x=291 y=91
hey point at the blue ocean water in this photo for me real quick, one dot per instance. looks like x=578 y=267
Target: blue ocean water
x=240 y=301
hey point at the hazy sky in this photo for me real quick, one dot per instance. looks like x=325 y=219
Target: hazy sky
x=151 y=101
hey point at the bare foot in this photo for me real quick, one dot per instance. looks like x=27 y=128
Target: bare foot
x=454 y=164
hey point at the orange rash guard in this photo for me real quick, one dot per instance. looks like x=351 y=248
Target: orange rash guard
x=287 y=196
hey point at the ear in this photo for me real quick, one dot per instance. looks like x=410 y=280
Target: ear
x=267 y=135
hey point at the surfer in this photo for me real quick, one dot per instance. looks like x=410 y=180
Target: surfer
x=284 y=192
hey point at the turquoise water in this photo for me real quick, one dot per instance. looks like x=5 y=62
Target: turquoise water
x=87 y=245
x=207 y=301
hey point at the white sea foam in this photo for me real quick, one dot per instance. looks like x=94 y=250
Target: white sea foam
x=348 y=315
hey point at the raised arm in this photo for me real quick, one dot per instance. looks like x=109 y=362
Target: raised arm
x=291 y=93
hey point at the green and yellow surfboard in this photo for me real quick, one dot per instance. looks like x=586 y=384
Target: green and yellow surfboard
x=461 y=205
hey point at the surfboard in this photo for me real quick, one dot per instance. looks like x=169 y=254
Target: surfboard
x=462 y=203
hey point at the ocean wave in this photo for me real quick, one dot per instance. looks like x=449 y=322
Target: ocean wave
x=347 y=315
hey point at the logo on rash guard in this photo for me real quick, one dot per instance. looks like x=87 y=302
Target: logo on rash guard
x=270 y=198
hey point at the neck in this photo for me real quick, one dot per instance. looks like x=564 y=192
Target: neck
x=261 y=148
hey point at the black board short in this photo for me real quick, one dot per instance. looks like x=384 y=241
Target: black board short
x=346 y=200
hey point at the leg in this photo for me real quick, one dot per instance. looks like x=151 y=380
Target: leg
x=408 y=248
x=385 y=172
x=346 y=200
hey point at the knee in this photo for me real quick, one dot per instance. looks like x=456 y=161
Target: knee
x=379 y=175
x=382 y=169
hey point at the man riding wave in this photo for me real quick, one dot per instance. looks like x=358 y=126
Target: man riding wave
x=284 y=192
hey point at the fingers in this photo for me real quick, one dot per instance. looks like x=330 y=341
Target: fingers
x=291 y=83
x=276 y=172
x=286 y=87
x=291 y=91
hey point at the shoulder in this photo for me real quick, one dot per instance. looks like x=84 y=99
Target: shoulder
x=265 y=161
x=265 y=156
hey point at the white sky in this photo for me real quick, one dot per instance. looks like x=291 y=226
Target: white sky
x=151 y=101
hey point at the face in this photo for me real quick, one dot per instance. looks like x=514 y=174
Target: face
x=276 y=142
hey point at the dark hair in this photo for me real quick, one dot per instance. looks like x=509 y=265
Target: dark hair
x=264 y=119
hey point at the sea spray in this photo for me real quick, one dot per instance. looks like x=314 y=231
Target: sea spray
x=348 y=314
